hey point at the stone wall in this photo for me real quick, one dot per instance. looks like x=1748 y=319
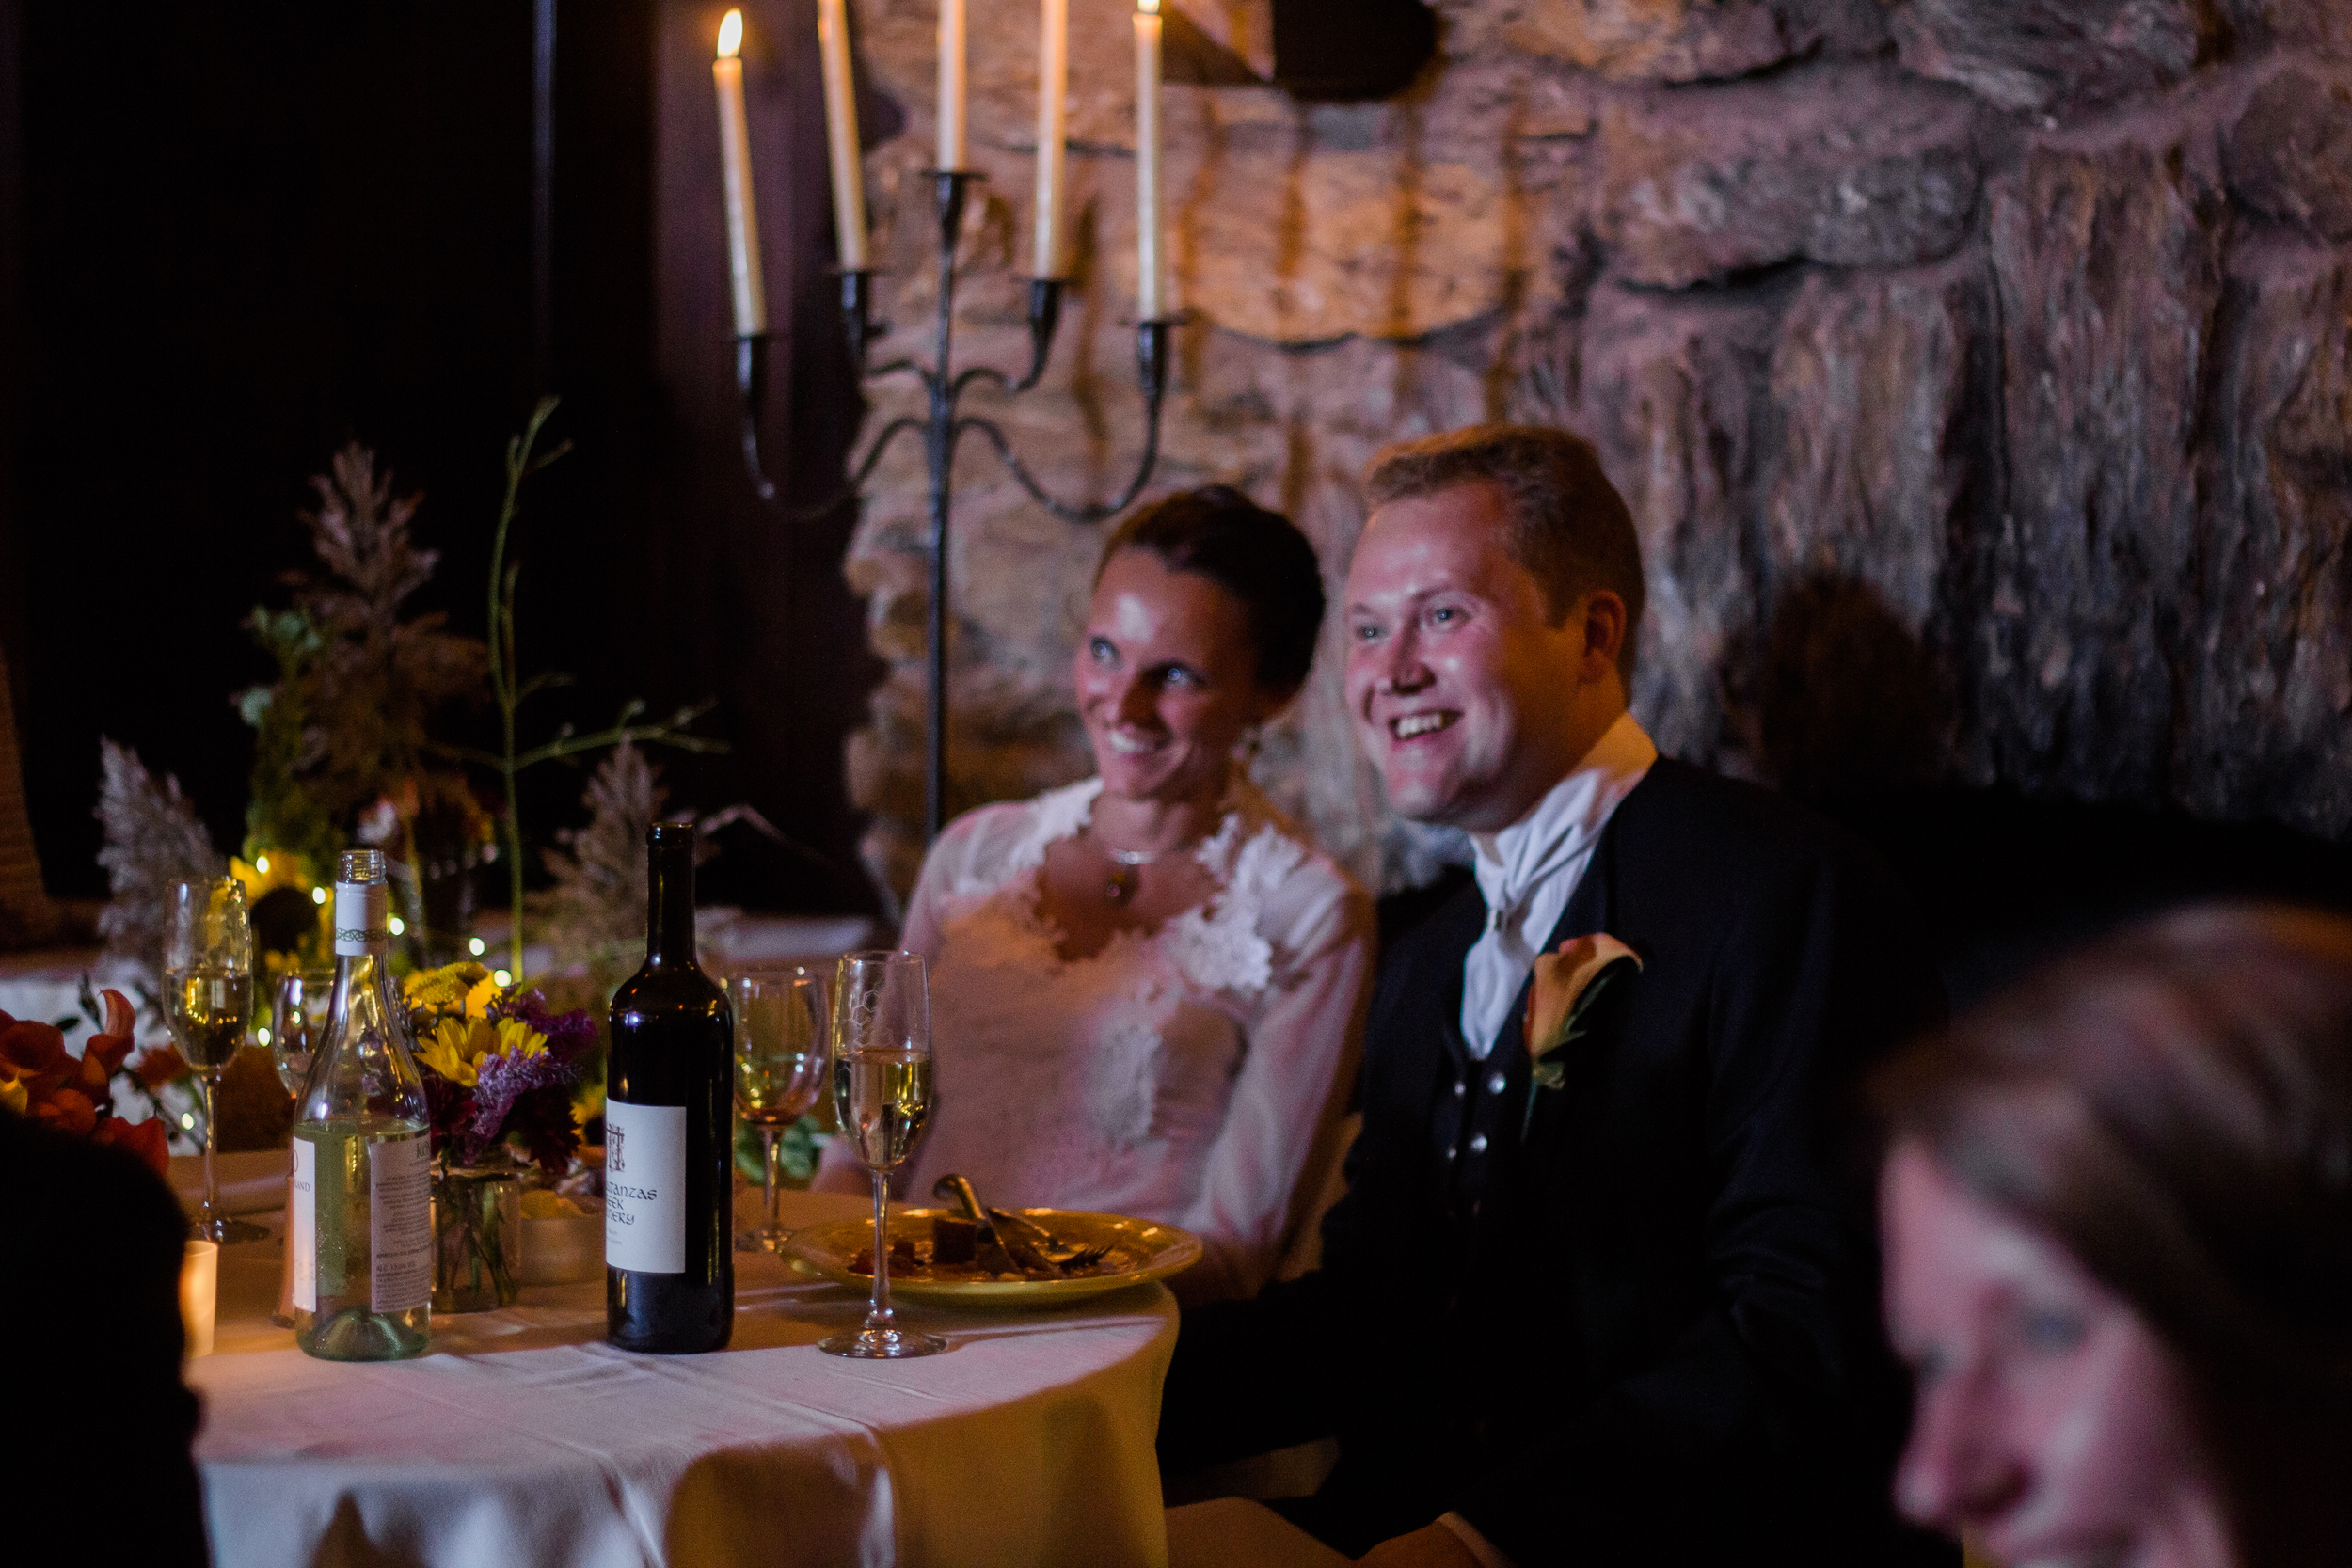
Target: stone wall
x=1976 y=369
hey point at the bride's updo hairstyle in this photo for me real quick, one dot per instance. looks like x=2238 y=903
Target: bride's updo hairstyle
x=2174 y=1107
x=1257 y=556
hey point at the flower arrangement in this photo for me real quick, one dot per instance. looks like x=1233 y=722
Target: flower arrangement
x=38 y=1079
x=499 y=1067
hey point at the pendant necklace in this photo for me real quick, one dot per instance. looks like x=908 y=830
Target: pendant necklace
x=1127 y=874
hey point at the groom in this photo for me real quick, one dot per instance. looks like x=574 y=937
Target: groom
x=1622 y=1309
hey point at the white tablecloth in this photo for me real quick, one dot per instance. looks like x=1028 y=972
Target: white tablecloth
x=521 y=1438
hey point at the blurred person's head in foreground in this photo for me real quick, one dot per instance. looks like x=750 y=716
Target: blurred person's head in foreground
x=2118 y=1215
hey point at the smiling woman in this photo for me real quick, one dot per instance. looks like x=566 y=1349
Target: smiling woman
x=2119 y=1250
x=1147 y=987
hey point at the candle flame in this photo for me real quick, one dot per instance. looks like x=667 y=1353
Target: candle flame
x=731 y=36
x=1149 y=7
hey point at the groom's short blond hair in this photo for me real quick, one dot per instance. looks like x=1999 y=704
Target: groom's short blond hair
x=1568 y=525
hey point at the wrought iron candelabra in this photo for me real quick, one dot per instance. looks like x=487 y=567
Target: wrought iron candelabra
x=942 y=426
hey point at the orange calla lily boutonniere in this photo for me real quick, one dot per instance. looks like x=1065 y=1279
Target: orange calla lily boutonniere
x=1559 y=996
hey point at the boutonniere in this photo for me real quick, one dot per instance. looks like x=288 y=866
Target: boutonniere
x=1559 y=996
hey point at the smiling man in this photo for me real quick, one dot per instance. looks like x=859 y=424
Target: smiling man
x=1613 y=1307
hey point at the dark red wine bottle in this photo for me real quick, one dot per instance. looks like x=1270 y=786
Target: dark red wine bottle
x=669 y=1142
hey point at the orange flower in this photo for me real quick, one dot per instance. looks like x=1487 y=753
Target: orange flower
x=68 y=1111
x=32 y=1056
x=160 y=1065
x=102 y=1058
x=146 y=1139
x=1561 y=988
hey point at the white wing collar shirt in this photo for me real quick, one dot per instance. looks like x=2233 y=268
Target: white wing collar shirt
x=1528 y=871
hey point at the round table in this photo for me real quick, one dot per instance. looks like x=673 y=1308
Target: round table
x=521 y=1438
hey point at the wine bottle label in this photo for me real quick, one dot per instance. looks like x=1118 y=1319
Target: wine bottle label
x=302 y=1226
x=645 y=1187
x=363 y=918
x=400 y=1224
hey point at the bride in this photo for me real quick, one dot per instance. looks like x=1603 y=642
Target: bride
x=1147 y=989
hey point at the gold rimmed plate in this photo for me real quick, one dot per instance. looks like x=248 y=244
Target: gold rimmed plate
x=1139 y=1250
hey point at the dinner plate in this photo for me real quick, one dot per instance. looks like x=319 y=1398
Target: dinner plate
x=1140 y=1250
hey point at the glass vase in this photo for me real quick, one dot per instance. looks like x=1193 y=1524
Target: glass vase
x=477 y=1237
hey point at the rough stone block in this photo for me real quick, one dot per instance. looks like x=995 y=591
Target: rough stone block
x=2324 y=24
x=1851 y=166
x=1676 y=394
x=2289 y=156
x=2267 y=723
x=2110 y=273
x=1677 y=41
x=2033 y=55
x=1875 y=489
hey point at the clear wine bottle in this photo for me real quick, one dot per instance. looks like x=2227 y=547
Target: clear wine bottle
x=360 y=1217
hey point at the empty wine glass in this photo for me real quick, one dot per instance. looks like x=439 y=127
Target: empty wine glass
x=779 y=1070
x=882 y=1090
x=298 y=1024
x=208 y=1000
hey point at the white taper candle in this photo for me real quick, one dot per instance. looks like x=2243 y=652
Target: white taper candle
x=951 y=84
x=848 y=170
x=735 y=150
x=1053 y=134
x=1149 y=278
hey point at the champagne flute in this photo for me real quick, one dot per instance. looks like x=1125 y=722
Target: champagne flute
x=208 y=1000
x=779 y=1070
x=297 y=1023
x=882 y=1089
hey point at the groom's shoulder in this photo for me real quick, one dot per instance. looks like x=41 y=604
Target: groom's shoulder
x=1682 y=814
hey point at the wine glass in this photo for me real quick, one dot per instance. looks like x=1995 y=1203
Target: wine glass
x=208 y=1000
x=779 y=1069
x=297 y=1025
x=882 y=1090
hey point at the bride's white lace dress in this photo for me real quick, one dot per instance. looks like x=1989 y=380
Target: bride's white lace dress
x=1182 y=1073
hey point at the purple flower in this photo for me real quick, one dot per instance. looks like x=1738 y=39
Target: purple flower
x=570 y=1035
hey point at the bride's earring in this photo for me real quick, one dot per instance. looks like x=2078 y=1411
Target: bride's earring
x=1251 y=741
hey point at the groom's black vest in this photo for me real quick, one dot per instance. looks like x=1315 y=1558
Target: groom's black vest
x=1636 y=1321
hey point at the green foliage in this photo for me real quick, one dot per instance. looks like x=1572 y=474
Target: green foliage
x=283 y=816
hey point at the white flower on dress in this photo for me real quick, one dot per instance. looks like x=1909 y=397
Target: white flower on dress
x=1122 y=1088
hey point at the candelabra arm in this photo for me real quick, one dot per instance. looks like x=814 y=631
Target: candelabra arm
x=1045 y=317
x=864 y=471
x=750 y=383
x=1152 y=372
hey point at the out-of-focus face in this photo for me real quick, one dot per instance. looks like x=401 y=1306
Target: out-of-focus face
x=1167 y=679
x=1458 y=685
x=2050 y=1423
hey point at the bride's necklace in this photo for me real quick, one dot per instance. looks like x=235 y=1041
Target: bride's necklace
x=1126 y=872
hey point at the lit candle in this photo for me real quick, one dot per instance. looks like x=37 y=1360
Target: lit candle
x=950 y=83
x=1148 y=300
x=735 y=146
x=1052 y=131
x=849 y=177
x=200 y=1291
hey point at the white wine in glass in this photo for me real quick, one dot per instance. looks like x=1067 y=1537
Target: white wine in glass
x=208 y=1000
x=882 y=1091
x=779 y=1072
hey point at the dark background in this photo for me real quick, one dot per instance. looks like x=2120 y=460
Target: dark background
x=234 y=238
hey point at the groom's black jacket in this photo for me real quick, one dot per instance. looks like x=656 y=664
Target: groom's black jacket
x=1647 y=1330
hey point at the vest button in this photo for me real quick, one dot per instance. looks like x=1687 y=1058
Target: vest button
x=1478 y=1143
x=1460 y=1089
x=1450 y=1152
x=1494 y=1085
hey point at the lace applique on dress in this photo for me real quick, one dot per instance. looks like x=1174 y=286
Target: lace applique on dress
x=1218 y=947
x=1123 y=1080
